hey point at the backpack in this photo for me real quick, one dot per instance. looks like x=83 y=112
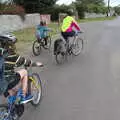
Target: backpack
x=59 y=46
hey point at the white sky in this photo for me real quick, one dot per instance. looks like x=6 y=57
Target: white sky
x=67 y=2
x=112 y=2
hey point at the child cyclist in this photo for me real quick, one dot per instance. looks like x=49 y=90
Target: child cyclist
x=42 y=32
x=10 y=79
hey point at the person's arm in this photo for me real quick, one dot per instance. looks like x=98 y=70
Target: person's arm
x=18 y=60
x=26 y=62
x=74 y=23
x=47 y=29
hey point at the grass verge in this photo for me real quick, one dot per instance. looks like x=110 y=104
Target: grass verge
x=96 y=19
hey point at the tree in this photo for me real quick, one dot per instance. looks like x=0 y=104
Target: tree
x=96 y=2
x=32 y=6
x=56 y=9
x=81 y=9
x=117 y=10
x=90 y=6
x=93 y=8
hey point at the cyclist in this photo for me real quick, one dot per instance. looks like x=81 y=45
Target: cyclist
x=41 y=32
x=67 y=30
x=13 y=79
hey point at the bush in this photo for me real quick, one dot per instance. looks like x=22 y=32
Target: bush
x=54 y=11
x=12 y=9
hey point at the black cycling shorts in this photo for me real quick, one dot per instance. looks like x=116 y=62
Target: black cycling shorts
x=68 y=34
x=11 y=85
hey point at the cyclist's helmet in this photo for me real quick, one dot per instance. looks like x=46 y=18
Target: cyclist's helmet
x=7 y=41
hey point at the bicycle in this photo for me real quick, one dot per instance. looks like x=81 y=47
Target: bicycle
x=40 y=43
x=74 y=48
x=14 y=109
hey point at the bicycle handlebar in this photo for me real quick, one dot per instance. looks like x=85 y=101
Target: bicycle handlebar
x=34 y=65
x=76 y=33
x=37 y=65
x=80 y=32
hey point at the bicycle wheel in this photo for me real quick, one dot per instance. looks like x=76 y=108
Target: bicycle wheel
x=59 y=56
x=36 y=89
x=48 y=46
x=77 y=46
x=6 y=115
x=4 y=112
x=36 y=48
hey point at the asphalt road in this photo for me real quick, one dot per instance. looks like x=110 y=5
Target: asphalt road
x=88 y=86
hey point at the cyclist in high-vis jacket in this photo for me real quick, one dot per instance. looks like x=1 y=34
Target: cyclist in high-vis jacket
x=67 y=27
x=66 y=31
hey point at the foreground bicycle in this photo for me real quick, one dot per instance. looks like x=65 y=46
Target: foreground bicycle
x=73 y=48
x=14 y=109
x=39 y=44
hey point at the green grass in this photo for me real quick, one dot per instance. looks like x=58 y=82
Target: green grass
x=25 y=35
x=28 y=34
x=96 y=19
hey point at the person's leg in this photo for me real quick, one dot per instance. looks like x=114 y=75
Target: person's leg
x=10 y=91
x=64 y=35
x=38 y=36
x=71 y=34
x=21 y=80
x=46 y=38
x=24 y=80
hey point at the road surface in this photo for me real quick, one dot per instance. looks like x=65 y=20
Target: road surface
x=88 y=86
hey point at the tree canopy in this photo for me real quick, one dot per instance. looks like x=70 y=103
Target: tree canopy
x=86 y=2
x=117 y=10
x=90 y=6
x=35 y=5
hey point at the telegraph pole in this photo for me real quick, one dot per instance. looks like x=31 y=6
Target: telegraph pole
x=108 y=7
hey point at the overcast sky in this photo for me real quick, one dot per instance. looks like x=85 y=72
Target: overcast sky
x=112 y=2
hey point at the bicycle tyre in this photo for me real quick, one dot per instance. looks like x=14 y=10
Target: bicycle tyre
x=3 y=112
x=59 y=54
x=36 y=101
x=75 y=45
x=36 y=46
x=4 y=115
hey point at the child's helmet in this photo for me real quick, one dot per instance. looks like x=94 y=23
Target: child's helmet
x=7 y=41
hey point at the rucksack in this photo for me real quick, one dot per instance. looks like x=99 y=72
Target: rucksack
x=59 y=46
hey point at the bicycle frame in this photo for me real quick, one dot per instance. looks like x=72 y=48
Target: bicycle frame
x=32 y=79
x=12 y=101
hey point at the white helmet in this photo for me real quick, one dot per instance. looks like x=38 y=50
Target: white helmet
x=8 y=38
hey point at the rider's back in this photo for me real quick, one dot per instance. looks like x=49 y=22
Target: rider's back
x=68 y=24
x=41 y=31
